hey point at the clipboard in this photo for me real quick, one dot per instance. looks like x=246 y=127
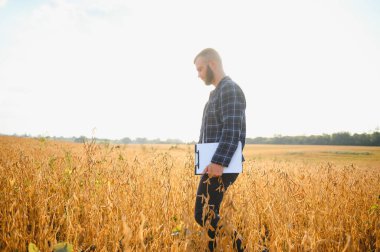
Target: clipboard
x=204 y=153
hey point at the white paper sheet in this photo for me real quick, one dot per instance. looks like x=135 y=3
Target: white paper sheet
x=204 y=153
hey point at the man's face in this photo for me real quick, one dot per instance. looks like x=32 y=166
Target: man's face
x=204 y=71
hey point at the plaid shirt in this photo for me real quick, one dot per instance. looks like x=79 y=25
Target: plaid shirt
x=224 y=120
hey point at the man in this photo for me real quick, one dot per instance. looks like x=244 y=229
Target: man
x=223 y=122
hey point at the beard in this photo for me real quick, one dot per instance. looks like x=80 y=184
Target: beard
x=209 y=76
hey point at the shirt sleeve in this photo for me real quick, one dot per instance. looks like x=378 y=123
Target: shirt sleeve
x=232 y=102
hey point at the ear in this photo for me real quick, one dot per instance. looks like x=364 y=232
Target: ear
x=212 y=64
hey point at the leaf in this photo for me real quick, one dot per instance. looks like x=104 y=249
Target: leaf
x=373 y=207
x=63 y=247
x=177 y=229
x=32 y=248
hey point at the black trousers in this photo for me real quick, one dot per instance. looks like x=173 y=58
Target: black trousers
x=215 y=190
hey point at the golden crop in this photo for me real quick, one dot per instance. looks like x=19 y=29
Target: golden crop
x=102 y=197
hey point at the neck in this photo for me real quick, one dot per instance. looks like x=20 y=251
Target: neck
x=218 y=77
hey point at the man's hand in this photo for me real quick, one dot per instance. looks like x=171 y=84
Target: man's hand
x=213 y=170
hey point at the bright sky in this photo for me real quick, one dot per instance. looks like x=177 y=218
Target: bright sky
x=125 y=68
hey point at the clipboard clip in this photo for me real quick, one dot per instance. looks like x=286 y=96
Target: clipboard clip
x=196 y=163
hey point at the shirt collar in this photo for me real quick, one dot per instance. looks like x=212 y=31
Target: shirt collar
x=222 y=82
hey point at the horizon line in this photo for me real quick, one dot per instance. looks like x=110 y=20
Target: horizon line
x=179 y=139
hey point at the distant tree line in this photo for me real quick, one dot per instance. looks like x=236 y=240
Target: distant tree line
x=127 y=140
x=341 y=138
x=143 y=140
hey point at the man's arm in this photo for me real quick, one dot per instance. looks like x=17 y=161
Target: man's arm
x=232 y=109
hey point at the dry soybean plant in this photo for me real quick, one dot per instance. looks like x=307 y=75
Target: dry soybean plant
x=104 y=197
